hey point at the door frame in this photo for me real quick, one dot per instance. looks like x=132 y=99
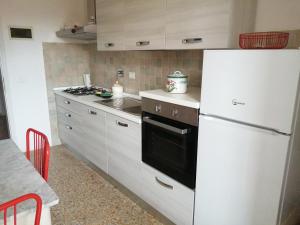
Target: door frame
x=4 y=77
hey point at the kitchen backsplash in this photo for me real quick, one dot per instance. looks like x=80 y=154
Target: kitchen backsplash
x=151 y=67
x=66 y=63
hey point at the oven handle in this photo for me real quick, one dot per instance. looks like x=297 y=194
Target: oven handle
x=176 y=130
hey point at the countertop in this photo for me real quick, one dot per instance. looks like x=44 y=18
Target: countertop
x=189 y=99
x=19 y=177
x=89 y=100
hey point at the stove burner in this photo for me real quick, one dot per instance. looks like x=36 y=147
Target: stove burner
x=81 y=91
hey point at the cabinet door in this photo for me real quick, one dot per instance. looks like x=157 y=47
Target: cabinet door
x=145 y=24
x=193 y=24
x=93 y=125
x=124 y=149
x=110 y=24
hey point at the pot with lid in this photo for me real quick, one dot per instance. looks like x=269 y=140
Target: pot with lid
x=177 y=83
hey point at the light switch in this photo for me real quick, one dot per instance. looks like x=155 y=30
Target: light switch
x=132 y=75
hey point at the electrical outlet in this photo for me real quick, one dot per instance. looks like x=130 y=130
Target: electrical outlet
x=132 y=75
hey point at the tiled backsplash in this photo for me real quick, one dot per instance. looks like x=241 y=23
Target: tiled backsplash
x=151 y=67
x=66 y=63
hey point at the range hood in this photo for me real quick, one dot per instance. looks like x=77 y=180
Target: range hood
x=87 y=32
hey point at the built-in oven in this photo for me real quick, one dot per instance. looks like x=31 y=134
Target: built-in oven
x=169 y=139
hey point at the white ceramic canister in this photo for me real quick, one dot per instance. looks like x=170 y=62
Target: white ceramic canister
x=177 y=83
x=117 y=90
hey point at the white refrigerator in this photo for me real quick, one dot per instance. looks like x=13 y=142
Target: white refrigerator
x=248 y=162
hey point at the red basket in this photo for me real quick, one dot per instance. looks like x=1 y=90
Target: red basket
x=264 y=40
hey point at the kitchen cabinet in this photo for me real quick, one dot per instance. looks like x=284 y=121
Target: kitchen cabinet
x=193 y=24
x=110 y=24
x=93 y=126
x=124 y=150
x=173 y=24
x=113 y=144
x=144 y=25
x=171 y=198
x=69 y=128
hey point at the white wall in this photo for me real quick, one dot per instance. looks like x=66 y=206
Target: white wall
x=277 y=15
x=22 y=60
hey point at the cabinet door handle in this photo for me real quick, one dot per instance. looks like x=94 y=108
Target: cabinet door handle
x=68 y=115
x=164 y=184
x=69 y=127
x=122 y=124
x=92 y=112
x=142 y=43
x=67 y=102
x=109 y=45
x=191 y=40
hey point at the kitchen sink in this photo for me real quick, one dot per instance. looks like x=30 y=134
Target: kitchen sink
x=126 y=104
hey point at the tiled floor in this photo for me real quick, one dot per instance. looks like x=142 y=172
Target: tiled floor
x=3 y=128
x=86 y=198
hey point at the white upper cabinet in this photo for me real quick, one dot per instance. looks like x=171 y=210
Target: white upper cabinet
x=172 y=24
x=197 y=24
x=145 y=24
x=110 y=24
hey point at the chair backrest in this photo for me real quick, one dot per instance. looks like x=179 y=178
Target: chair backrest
x=41 y=151
x=12 y=204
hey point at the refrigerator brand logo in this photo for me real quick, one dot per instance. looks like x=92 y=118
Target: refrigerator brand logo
x=236 y=102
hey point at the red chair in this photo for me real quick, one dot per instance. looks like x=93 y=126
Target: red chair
x=13 y=204
x=41 y=151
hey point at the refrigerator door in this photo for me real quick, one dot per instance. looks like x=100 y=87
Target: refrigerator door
x=254 y=86
x=240 y=172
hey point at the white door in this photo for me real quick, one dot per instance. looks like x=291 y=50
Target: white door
x=240 y=171
x=253 y=86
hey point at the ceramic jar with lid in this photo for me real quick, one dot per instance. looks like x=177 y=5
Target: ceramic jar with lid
x=177 y=83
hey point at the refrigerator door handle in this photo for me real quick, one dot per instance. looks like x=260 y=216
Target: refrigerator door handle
x=244 y=123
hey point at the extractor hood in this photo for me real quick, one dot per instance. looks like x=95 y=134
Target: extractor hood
x=87 y=32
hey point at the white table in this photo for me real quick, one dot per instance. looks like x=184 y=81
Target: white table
x=19 y=177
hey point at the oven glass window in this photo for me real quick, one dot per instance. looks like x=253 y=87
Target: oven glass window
x=171 y=152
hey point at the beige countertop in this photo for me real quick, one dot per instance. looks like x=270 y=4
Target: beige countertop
x=189 y=99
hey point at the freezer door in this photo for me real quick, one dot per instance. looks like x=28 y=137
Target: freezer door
x=254 y=86
x=240 y=172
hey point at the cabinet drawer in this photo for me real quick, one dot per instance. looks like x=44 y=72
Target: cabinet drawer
x=68 y=104
x=167 y=196
x=68 y=117
x=71 y=135
x=124 y=137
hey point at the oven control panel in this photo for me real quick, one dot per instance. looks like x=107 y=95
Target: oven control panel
x=172 y=111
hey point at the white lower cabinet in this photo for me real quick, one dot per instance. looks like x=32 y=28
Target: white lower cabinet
x=124 y=152
x=166 y=195
x=114 y=145
x=93 y=125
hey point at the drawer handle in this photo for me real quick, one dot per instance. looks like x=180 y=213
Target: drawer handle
x=92 y=112
x=67 y=102
x=68 y=115
x=122 y=124
x=69 y=127
x=109 y=45
x=191 y=40
x=164 y=184
x=142 y=43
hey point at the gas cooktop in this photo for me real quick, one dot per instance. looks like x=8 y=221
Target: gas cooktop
x=82 y=91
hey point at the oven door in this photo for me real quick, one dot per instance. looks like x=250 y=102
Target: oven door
x=170 y=147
